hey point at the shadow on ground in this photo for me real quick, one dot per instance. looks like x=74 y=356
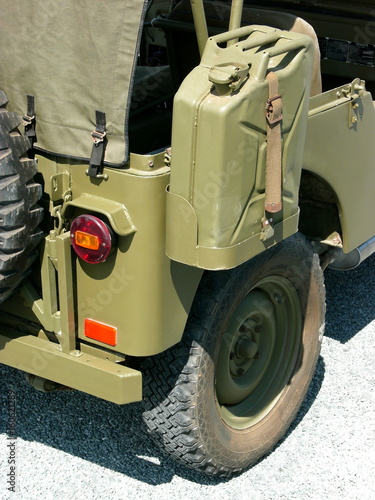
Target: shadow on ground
x=350 y=300
x=108 y=435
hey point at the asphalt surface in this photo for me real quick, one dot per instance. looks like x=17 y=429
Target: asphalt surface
x=72 y=446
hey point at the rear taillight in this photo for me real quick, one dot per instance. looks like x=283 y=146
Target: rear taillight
x=92 y=239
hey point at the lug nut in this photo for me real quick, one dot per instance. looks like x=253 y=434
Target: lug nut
x=278 y=298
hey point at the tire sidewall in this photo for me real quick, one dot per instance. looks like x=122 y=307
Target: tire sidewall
x=244 y=447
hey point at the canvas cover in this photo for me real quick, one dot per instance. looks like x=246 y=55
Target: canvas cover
x=74 y=57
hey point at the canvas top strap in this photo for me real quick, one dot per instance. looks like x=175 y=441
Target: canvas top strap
x=29 y=120
x=97 y=154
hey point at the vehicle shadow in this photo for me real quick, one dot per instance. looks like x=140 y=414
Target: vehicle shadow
x=103 y=433
x=350 y=300
x=95 y=430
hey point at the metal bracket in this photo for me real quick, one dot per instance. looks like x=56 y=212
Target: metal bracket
x=59 y=186
x=267 y=231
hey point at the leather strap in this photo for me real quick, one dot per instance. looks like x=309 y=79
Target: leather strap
x=273 y=200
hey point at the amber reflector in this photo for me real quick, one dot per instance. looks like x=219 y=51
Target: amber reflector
x=86 y=240
x=101 y=332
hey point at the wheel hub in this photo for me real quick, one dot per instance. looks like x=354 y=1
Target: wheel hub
x=258 y=350
x=246 y=348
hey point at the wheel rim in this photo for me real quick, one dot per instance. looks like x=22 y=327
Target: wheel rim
x=258 y=353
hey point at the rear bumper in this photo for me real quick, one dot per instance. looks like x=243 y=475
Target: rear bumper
x=98 y=377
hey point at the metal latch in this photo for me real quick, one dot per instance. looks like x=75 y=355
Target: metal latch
x=353 y=110
x=228 y=77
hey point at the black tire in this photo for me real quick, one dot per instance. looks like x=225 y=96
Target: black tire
x=225 y=395
x=19 y=213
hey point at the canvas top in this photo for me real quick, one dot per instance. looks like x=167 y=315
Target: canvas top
x=75 y=58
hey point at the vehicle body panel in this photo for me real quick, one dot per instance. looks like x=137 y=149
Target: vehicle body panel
x=340 y=149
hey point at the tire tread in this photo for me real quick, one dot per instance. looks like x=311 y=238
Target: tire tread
x=20 y=215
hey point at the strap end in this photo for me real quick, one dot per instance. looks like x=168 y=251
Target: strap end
x=273 y=207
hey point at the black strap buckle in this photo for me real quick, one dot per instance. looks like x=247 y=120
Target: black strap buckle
x=98 y=137
x=97 y=154
x=28 y=120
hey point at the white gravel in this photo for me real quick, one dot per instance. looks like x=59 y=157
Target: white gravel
x=74 y=446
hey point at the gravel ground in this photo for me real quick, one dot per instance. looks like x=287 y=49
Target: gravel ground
x=70 y=445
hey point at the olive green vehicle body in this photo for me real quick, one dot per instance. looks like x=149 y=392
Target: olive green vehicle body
x=199 y=208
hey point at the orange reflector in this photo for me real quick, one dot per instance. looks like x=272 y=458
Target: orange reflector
x=100 y=331
x=86 y=240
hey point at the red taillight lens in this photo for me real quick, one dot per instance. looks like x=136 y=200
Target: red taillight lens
x=92 y=239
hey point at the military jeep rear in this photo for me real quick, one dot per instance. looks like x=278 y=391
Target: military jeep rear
x=173 y=181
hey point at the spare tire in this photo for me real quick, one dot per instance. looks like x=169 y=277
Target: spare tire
x=19 y=213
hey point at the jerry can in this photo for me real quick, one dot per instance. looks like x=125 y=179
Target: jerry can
x=217 y=215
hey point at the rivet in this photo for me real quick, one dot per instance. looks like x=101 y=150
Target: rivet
x=278 y=298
